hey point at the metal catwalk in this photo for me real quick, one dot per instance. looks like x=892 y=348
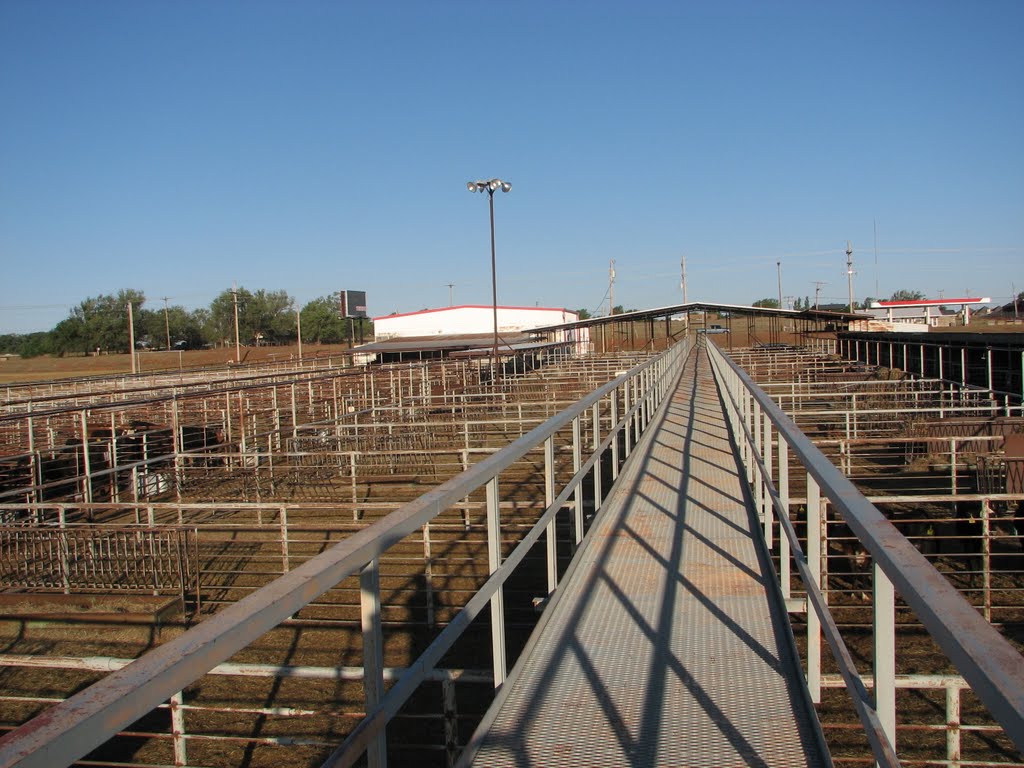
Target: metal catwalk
x=665 y=644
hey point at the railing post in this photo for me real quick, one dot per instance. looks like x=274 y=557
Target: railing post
x=614 y=395
x=753 y=472
x=176 y=705
x=428 y=574
x=373 y=654
x=498 y=599
x=596 y=423
x=953 y=724
x=766 y=499
x=627 y=416
x=451 y=721
x=549 y=497
x=885 y=652
x=577 y=461
x=285 y=559
x=814 y=530
x=986 y=557
x=784 y=564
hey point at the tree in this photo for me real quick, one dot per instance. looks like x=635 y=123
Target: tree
x=904 y=295
x=322 y=322
x=584 y=314
x=261 y=315
x=766 y=303
x=99 y=322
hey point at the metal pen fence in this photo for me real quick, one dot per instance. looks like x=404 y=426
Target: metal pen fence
x=75 y=726
x=766 y=438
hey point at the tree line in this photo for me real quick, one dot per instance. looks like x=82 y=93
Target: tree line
x=264 y=317
x=806 y=303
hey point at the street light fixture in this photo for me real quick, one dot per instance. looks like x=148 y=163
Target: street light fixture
x=490 y=187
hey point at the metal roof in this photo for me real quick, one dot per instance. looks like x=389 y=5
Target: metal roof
x=703 y=306
x=507 y=342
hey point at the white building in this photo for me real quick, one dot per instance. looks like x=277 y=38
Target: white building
x=468 y=319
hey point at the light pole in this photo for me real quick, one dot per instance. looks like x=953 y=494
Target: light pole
x=490 y=187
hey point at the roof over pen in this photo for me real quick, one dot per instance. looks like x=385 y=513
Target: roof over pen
x=454 y=343
x=704 y=306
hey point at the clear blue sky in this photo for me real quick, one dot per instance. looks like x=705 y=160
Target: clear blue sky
x=178 y=147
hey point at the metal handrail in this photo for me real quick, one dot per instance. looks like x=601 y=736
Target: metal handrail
x=989 y=663
x=72 y=728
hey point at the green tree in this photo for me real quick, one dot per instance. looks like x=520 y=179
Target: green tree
x=584 y=314
x=322 y=322
x=261 y=314
x=766 y=303
x=99 y=322
x=904 y=295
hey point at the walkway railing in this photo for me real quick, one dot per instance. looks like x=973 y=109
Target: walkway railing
x=990 y=664
x=72 y=728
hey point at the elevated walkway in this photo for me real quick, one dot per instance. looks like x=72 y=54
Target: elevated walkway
x=666 y=644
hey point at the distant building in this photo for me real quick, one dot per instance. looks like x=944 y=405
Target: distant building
x=916 y=315
x=474 y=319
x=468 y=330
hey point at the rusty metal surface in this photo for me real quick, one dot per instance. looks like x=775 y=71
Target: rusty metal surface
x=664 y=645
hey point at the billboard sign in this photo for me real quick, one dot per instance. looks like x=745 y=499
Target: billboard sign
x=353 y=303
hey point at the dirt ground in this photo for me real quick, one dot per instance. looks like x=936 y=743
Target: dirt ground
x=16 y=369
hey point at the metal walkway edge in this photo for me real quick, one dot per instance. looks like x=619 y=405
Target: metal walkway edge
x=666 y=644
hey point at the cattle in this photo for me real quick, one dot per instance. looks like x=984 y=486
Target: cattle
x=204 y=443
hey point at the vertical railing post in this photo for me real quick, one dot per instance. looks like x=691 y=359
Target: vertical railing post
x=766 y=499
x=614 y=395
x=885 y=652
x=498 y=598
x=627 y=427
x=577 y=494
x=177 y=707
x=451 y=721
x=953 y=724
x=596 y=423
x=814 y=531
x=549 y=497
x=784 y=564
x=373 y=654
x=428 y=574
x=285 y=559
x=753 y=473
x=986 y=557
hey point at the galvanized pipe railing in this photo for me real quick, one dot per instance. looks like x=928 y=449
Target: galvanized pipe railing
x=990 y=664
x=72 y=728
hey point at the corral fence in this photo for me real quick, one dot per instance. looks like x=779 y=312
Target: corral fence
x=75 y=726
x=128 y=559
x=990 y=665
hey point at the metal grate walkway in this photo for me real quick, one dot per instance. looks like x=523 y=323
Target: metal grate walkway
x=665 y=645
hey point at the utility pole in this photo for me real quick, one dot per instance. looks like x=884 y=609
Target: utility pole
x=167 y=323
x=131 y=337
x=451 y=294
x=849 y=272
x=778 y=269
x=238 y=345
x=818 y=285
x=682 y=265
x=611 y=287
x=298 y=331
x=874 y=227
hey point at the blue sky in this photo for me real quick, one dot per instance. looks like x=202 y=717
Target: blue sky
x=180 y=147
